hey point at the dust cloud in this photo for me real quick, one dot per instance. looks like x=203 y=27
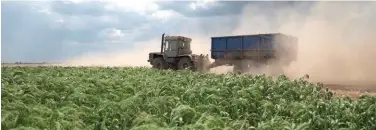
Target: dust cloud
x=337 y=44
x=336 y=41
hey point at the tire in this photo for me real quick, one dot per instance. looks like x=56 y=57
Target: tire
x=240 y=67
x=185 y=63
x=275 y=69
x=278 y=70
x=159 y=63
x=237 y=69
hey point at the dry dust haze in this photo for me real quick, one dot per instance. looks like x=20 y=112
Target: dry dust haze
x=336 y=41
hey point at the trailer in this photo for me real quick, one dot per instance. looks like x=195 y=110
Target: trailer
x=243 y=51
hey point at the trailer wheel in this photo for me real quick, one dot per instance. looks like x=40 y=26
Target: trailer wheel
x=185 y=63
x=159 y=63
x=277 y=70
x=237 y=69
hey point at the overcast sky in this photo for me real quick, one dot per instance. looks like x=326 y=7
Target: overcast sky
x=55 y=31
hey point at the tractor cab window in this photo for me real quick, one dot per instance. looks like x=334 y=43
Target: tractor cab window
x=185 y=45
x=173 y=45
x=166 y=46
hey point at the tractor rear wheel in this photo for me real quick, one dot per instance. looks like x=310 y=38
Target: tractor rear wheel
x=185 y=63
x=159 y=63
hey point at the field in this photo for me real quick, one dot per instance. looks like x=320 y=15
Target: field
x=352 y=90
x=142 y=98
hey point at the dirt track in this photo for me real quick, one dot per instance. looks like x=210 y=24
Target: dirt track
x=361 y=88
x=352 y=90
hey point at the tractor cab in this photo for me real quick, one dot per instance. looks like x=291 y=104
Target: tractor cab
x=174 y=46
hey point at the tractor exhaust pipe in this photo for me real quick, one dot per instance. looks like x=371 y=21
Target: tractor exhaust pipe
x=162 y=43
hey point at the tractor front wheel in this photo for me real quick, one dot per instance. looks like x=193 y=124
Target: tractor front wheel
x=185 y=63
x=159 y=63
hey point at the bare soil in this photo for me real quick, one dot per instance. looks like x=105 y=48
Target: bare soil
x=353 y=91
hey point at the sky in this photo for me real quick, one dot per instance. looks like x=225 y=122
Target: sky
x=56 y=31
x=336 y=40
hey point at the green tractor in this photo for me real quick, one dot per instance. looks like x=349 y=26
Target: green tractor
x=176 y=54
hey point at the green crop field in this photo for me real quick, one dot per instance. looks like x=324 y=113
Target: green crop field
x=75 y=98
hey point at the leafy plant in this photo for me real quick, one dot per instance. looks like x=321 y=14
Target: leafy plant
x=141 y=98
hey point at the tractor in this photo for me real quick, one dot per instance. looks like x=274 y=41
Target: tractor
x=176 y=54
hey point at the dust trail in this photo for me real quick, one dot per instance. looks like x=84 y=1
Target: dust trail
x=337 y=42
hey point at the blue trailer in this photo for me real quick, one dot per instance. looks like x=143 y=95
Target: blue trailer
x=241 y=50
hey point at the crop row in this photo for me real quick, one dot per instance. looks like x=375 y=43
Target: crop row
x=141 y=98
